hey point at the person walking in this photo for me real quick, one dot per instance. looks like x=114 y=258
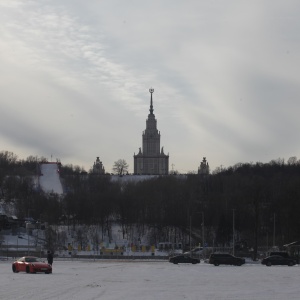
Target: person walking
x=50 y=257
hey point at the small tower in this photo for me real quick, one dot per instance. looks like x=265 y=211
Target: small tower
x=204 y=167
x=98 y=167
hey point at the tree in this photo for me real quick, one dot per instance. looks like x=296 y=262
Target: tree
x=292 y=160
x=120 y=167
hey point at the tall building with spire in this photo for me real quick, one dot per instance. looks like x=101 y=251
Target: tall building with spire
x=151 y=159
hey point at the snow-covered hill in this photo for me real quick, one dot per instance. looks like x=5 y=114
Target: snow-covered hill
x=49 y=181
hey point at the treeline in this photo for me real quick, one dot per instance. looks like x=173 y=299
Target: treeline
x=11 y=165
x=261 y=202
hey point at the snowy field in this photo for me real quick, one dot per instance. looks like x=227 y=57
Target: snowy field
x=157 y=280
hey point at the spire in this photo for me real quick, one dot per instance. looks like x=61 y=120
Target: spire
x=151 y=90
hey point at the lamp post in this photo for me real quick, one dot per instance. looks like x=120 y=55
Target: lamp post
x=203 y=242
x=274 y=229
x=190 y=236
x=233 y=231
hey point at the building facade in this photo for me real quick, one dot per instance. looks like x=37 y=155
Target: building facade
x=151 y=159
x=204 y=167
x=98 y=167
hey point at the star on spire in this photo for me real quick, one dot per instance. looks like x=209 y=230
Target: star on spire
x=151 y=90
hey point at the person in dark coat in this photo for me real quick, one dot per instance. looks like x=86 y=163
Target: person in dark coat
x=50 y=258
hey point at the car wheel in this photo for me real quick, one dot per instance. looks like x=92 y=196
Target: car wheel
x=239 y=264
x=27 y=269
x=216 y=263
x=175 y=262
x=15 y=269
x=268 y=264
x=290 y=264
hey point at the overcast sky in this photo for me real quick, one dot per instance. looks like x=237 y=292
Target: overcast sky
x=75 y=78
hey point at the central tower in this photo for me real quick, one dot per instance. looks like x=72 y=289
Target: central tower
x=151 y=160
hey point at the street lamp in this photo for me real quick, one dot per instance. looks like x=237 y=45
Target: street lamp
x=203 y=242
x=190 y=236
x=274 y=222
x=233 y=231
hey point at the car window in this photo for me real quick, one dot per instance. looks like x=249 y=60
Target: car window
x=31 y=259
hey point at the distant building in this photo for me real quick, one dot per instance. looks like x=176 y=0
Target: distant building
x=98 y=167
x=204 y=167
x=151 y=159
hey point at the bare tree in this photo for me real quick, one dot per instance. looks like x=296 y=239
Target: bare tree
x=292 y=160
x=120 y=167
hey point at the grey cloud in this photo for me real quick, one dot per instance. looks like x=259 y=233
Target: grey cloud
x=225 y=77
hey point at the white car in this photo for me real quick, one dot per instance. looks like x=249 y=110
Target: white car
x=200 y=252
x=195 y=251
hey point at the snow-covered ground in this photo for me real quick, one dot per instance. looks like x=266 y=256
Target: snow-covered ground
x=49 y=181
x=144 y=280
x=138 y=178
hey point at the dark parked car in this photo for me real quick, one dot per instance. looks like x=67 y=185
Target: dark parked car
x=225 y=259
x=284 y=254
x=184 y=259
x=281 y=253
x=278 y=260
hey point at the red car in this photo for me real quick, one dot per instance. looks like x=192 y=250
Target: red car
x=31 y=264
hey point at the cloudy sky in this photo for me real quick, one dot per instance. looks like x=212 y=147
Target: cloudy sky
x=75 y=78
